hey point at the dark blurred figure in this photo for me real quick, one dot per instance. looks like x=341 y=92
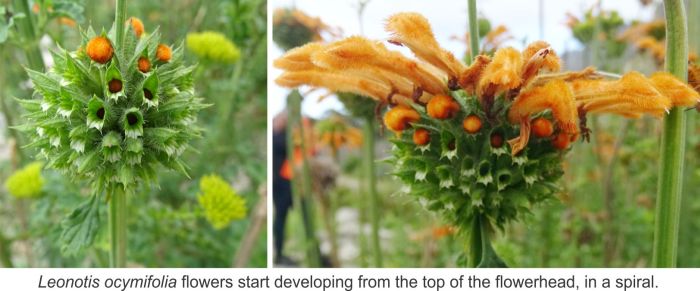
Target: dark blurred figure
x=281 y=186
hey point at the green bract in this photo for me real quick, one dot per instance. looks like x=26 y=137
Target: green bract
x=462 y=176
x=109 y=124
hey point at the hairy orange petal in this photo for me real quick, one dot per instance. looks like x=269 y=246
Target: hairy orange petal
x=551 y=62
x=503 y=73
x=335 y=82
x=414 y=31
x=556 y=96
x=679 y=92
x=469 y=79
x=518 y=144
x=298 y=58
x=361 y=50
x=630 y=96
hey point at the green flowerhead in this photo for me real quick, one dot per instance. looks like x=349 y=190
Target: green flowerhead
x=99 y=118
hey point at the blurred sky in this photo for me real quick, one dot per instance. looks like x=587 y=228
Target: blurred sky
x=448 y=18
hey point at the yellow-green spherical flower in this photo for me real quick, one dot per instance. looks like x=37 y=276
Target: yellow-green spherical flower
x=213 y=46
x=220 y=202
x=26 y=182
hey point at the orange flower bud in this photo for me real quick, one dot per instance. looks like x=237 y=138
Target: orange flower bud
x=442 y=107
x=421 y=136
x=114 y=85
x=472 y=124
x=496 y=140
x=100 y=49
x=137 y=26
x=164 y=53
x=144 y=65
x=399 y=117
x=561 y=141
x=542 y=127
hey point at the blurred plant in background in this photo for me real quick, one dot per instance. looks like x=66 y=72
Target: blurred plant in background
x=167 y=229
x=220 y=203
x=26 y=182
x=213 y=46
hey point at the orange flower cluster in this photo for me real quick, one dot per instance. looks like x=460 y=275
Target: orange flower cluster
x=530 y=79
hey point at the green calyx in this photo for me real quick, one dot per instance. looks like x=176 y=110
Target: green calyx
x=92 y=121
x=468 y=175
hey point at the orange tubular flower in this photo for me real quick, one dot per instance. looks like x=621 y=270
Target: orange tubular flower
x=442 y=107
x=299 y=58
x=360 y=50
x=631 y=96
x=470 y=77
x=680 y=94
x=100 y=50
x=539 y=55
x=414 y=31
x=556 y=96
x=503 y=73
x=163 y=53
x=399 y=118
x=137 y=26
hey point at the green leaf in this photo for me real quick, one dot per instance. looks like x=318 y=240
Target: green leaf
x=43 y=83
x=70 y=9
x=81 y=227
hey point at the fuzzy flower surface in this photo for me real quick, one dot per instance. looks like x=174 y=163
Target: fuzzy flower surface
x=214 y=46
x=480 y=141
x=26 y=182
x=220 y=202
x=99 y=116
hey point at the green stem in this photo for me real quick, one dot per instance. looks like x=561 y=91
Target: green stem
x=668 y=201
x=686 y=234
x=119 y=20
x=372 y=190
x=473 y=31
x=483 y=254
x=26 y=29
x=301 y=179
x=117 y=228
x=117 y=203
x=475 y=245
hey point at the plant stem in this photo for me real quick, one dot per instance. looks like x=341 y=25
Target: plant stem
x=668 y=201
x=372 y=189
x=475 y=245
x=301 y=178
x=117 y=228
x=26 y=28
x=686 y=234
x=118 y=203
x=119 y=20
x=473 y=31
